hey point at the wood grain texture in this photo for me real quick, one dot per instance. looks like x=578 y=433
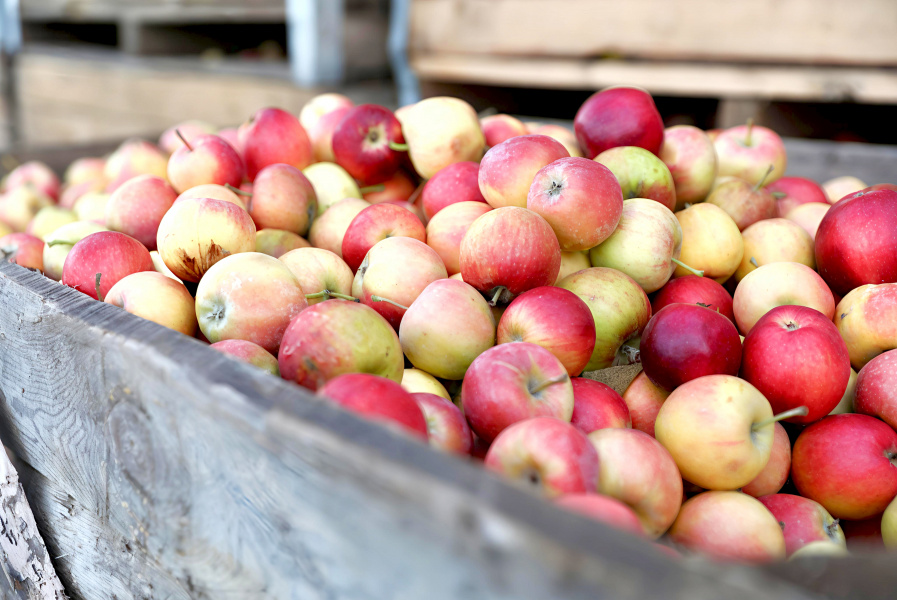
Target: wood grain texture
x=162 y=469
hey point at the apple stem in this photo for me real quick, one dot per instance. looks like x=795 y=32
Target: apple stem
x=99 y=295
x=59 y=243
x=382 y=299
x=794 y=412
x=750 y=128
x=183 y=139
x=764 y=178
x=327 y=295
x=372 y=188
x=687 y=268
x=779 y=195
x=549 y=382
x=753 y=261
x=398 y=146
x=498 y=292
x=237 y=190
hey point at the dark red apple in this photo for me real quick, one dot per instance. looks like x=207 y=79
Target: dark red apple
x=876 y=391
x=692 y=289
x=377 y=398
x=597 y=406
x=101 y=260
x=618 y=116
x=362 y=143
x=274 y=136
x=686 y=341
x=375 y=223
x=802 y=520
x=794 y=191
x=455 y=183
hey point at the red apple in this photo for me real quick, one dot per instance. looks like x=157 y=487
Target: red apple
x=457 y=182
x=776 y=361
x=100 y=260
x=375 y=223
x=618 y=116
x=692 y=289
x=605 y=509
x=446 y=426
x=774 y=475
x=447 y=228
x=248 y=352
x=328 y=230
x=398 y=188
x=644 y=399
x=791 y=192
x=362 y=143
x=377 y=398
x=320 y=133
x=876 y=388
x=689 y=154
x=803 y=521
x=134 y=157
x=320 y=106
x=500 y=128
x=747 y=151
x=274 y=136
x=207 y=159
x=507 y=170
x=36 y=174
x=867 y=320
x=137 y=207
x=282 y=198
x=23 y=249
x=597 y=406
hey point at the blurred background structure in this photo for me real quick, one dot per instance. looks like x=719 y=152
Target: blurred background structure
x=96 y=70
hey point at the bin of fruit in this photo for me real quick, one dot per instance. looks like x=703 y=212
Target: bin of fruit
x=455 y=358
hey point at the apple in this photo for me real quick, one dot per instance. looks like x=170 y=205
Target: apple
x=19 y=206
x=855 y=242
x=207 y=159
x=778 y=284
x=746 y=203
x=507 y=170
x=198 y=232
x=500 y=128
x=809 y=216
x=134 y=157
x=446 y=328
x=618 y=116
x=637 y=470
x=803 y=521
x=447 y=228
x=889 y=525
x=49 y=219
x=863 y=535
x=394 y=273
x=816 y=549
x=597 y=406
x=729 y=526
x=572 y=262
x=603 y=508
x=440 y=131
x=319 y=271
x=73 y=192
x=215 y=191
x=791 y=192
x=36 y=175
x=23 y=249
x=508 y=251
x=876 y=388
x=846 y=464
x=398 y=188
x=774 y=475
x=322 y=104
x=645 y=245
x=839 y=187
x=137 y=207
x=775 y=240
x=580 y=199
x=248 y=352
x=277 y=242
x=273 y=136
x=58 y=244
x=170 y=140
x=560 y=133
x=157 y=298
x=85 y=169
x=456 y=183
x=100 y=260
x=845 y=405
x=719 y=430
x=283 y=198
x=747 y=151
x=775 y=361
x=640 y=174
x=379 y=399
x=320 y=134
x=619 y=306
x=711 y=242
x=331 y=184
x=547 y=453
x=421 y=382
x=866 y=318
x=693 y=289
x=363 y=143
x=329 y=229
x=92 y=207
x=644 y=399
x=555 y=319
x=685 y=341
x=337 y=337
x=446 y=426
x=689 y=154
x=375 y=223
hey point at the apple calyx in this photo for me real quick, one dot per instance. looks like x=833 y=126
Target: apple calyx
x=397 y=146
x=183 y=139
x=372 y=188
x=686 y=267
x=750 y=128
x=99 y=295
x=327 y=295
x=764 y=178
x=891 y=455
x=798 y=411
x=532 y=476
x=548 y=383
x=393 y=302
x=791 y=326
x=832 y=529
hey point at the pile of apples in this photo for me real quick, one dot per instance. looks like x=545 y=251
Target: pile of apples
x=453 y=277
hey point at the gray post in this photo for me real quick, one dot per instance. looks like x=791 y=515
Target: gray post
x=10 y=45
x=406 y=81
x=315 y=41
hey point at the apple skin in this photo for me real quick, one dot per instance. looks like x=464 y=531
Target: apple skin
x=283 y=198
x=213 y=190
x=273 y=136
x=89 y=168
x=597 y=406
x=19 y=205
x=329 y=230
x=750 y=161
x=692 y=289
x=774 y=475
x=604 y=509
x=208 y=160
x=846 y=464
x=560 y=133
x=555 y=319
x=446 y=229
x=398 y=269
x=618 y=116
x=447 y=428
x=58 y=244
x=845 y=405
x=137 y=207
x=508 y=251
x=572 y=262
x=322 y=104
x=804 y=520
x=375 y=223
x=706 y=424
x=72 y=192
x=361 y=143
x=27 y=250
x=711 y=242
x=778 y=284
x=867 y=321
x=398 y=188
x=775 y=361
x=547 y=452
x=277 y=242
x=797 y=191
x=689 y=155
x=500 y=128
x=35 y=174
x=855 y=242
x=640 y=174
x=416 y=381
x=198 y=232
x=320 y=134
x=643 y=245
x=458 y=182
x=580 y=199
x=157 y=298
x=507 y=170
x=49 y=219
x=170 y=141
x=109 y=253
x=317 y=270
x=440 y=131
x=637 y=470
x=446 y=328
x=876 y=388
x=92 y=207
x=744 y=202
x=889 y=525
x=248 y=352
x=644 y=399
x=840 y=187
x=378 y=399
x=775 y=240
x=512 y=382
x=331 y=183
x=619 y=306
x=685 y=341
x=337 y=337
x=729 y=526
x=134 y=157
x=809 y=216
